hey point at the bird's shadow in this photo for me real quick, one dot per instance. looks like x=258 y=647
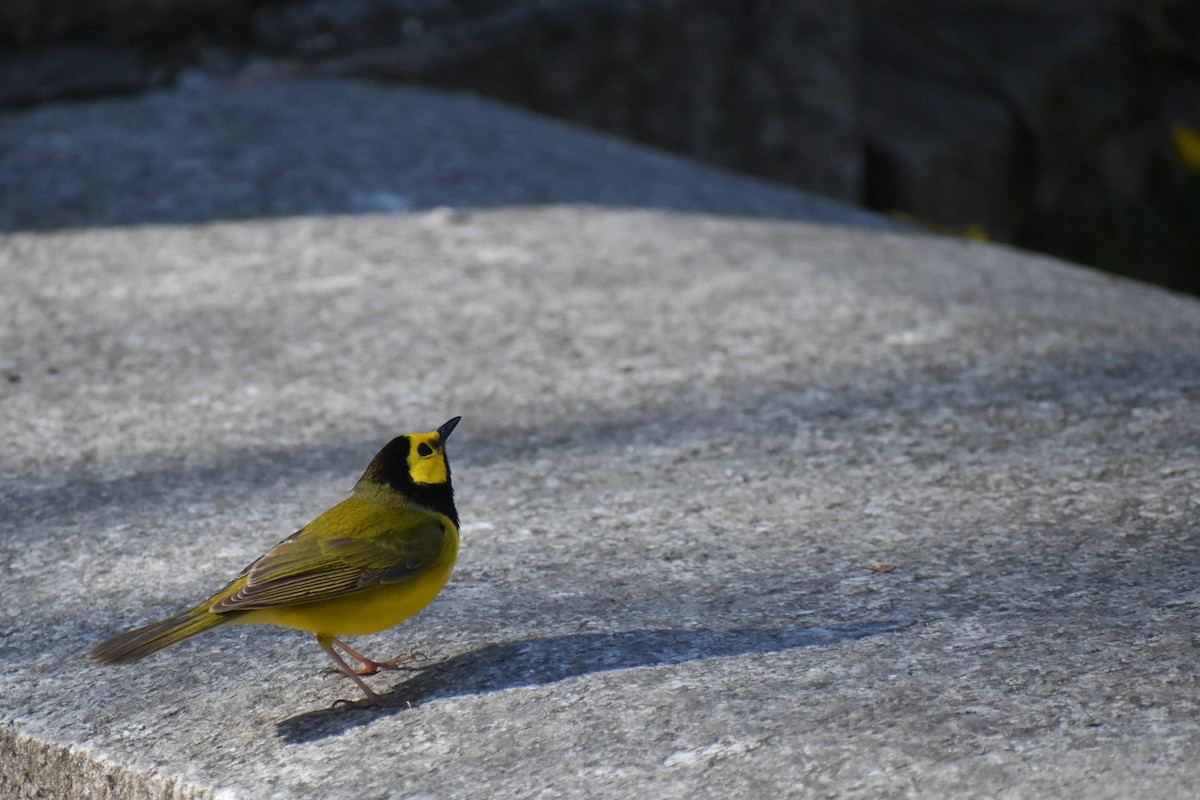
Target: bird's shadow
x=540 y=661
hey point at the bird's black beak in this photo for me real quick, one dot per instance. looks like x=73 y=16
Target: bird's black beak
x=444 y=431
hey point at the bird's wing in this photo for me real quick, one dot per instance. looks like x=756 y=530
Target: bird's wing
x=317 y=563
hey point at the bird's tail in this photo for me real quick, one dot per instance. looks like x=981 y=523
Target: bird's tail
x=133 y=645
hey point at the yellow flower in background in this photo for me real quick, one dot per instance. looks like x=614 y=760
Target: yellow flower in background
x=976 y=232
x=1187 y=145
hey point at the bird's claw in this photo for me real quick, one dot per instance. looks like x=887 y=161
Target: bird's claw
x=369 y=667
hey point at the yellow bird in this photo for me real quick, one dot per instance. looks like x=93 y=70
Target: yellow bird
x=368 y=563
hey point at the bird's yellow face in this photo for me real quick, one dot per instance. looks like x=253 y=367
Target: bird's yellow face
x=426 y=458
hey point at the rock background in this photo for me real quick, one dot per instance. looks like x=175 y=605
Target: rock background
x=703 y=417
x=1045 y=124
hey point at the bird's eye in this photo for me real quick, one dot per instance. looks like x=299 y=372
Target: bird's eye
x=424 y=450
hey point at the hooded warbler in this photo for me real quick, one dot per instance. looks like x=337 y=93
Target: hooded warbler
x=368 y=563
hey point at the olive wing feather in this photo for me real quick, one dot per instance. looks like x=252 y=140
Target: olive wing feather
x=308 y=567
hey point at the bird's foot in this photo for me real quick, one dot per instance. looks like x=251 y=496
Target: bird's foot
x=369 y=666
x=400 y=662
x=373 y=701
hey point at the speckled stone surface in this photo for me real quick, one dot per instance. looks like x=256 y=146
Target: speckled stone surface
x=695 y=408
